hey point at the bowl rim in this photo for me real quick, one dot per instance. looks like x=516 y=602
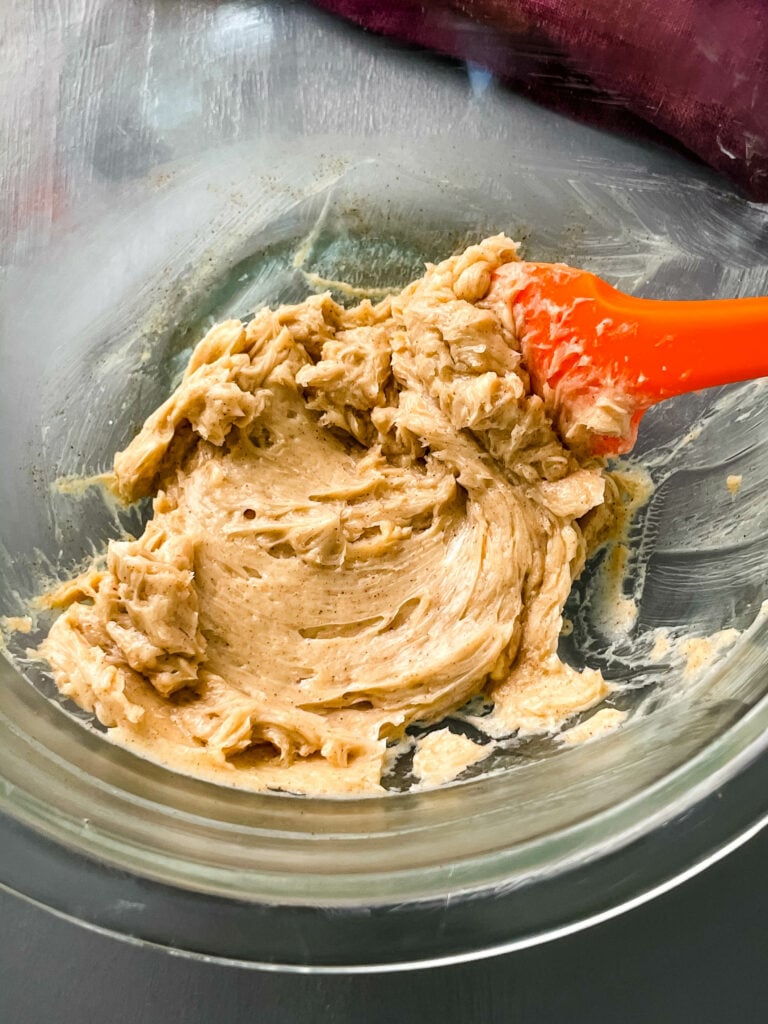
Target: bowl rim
x=624 y=854
x=144 y=912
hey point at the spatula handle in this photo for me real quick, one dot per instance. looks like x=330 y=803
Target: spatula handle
x=670 y=347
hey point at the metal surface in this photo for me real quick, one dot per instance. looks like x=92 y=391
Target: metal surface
x=169 y=163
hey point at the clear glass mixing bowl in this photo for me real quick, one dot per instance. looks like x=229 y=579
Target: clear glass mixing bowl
x=171 y=163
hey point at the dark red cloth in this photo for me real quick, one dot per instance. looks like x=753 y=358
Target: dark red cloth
x=696 y=70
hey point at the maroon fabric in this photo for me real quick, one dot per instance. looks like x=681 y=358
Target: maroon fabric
x=696 y=70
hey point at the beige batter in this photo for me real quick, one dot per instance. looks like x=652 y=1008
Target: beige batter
x=362 y=519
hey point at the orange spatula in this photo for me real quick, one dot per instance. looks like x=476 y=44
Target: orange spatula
x=601 y=358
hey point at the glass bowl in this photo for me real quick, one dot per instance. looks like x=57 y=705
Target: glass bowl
x=182 y=162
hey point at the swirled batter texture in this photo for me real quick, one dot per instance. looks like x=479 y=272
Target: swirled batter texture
x=362 y=518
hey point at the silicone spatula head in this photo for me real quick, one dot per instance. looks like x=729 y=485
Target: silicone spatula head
x=600 y=358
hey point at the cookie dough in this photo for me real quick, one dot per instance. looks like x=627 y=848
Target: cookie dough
x=361 y=519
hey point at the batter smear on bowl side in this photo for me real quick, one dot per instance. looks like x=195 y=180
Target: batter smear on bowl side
x=362 y=518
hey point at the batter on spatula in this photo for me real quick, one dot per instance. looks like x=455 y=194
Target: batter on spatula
x=362 y=518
